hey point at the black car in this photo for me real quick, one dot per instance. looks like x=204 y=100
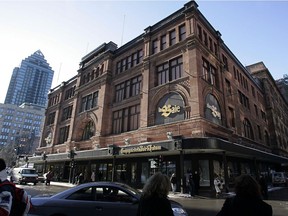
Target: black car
x=94 y=198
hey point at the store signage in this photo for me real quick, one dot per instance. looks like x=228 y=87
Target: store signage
x=168 y=109
x=140 y=149
x=214 y=110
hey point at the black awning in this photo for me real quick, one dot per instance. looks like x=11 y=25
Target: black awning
x=232 y=149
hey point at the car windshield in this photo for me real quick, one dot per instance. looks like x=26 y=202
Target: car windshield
x=28 y=171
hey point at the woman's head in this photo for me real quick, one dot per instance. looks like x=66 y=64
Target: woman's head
x=158 y=184
x=246 y=185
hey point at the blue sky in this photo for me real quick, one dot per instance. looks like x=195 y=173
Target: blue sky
x=65 y=31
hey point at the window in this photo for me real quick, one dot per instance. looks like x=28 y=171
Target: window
x=51 y=118
x=205 y=38
x=66 y=113
x=228 y=87
x=154 y=46
x=256 y=110
x=64 y=132
x=259 y=132
x=182 y=32
x=172 y=37
x=244 y=100
x=248 y=132
x=199 y=32
x=90 y=101
x=209 y=73
x=128 y=62
x=231 y=117
x=225 y=62
x=126 y=119
x=128 y=89
x=69 y=93
x=88 y=131
x=170 y=71
x=163 y=44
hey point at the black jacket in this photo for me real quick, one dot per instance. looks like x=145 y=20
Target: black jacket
x=154 y=206
x=240 y=206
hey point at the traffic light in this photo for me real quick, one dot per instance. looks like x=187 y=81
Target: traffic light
x=44 y=156
x=71 y=154
x=113 y=150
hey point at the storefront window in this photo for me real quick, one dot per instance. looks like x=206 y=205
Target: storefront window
x=102 y=172
x=144 y=172
x=133 y=172
x=204 y=173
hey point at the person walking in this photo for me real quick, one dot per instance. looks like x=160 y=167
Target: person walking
x=173 y=181
x=247 y=200
x=154 y=199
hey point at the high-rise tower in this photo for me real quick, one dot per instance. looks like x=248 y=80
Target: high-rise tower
x=31 y=81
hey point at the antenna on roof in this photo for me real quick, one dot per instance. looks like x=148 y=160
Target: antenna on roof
x=122 y=30
x=59 y=73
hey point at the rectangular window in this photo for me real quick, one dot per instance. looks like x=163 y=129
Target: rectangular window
x=126 y=119
x=163 y=42
x=170 y=71
x=154 y=46
x=119 y=68
x=225 y=62
x=176 y=66
x=64 y=133
x=90 y=101
x=228 y=87
x=231 y=117
x=163 y=73
x=209 y=73
x=67 y=113
x=51 y=118
x=182 y=32
x=205 y=38
x=172 y=37
x=199 y=32
x=128 y=89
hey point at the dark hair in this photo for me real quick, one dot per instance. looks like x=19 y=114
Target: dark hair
x=158 y=185
x=247 y=186
x=2 y=164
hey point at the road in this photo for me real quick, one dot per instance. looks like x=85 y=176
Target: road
x=199 y=206
x=278 y=199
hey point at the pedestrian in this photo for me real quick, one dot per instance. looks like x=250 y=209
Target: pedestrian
x=196 y=179
x=247 y=200
x=49 y=177
x=187 y=185
x=264 y=187
x=80 y=178
x=217 y=185
x=154 y=199
x=9 y=204
x=93 y=176
x=173 y=181
x=191 y=185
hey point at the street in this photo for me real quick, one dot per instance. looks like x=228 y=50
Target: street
x=198 y=206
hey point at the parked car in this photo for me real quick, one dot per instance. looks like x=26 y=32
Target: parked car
x=94 y=198
x=279 y=178
x=24 y=175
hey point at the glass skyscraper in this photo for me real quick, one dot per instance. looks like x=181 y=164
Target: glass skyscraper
x=31 y=82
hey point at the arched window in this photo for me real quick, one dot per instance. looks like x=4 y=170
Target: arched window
x=248 y=131
x=212 y=109
x=89 y=131
x=170 y=109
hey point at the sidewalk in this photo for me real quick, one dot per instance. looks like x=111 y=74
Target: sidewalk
x=171 y=194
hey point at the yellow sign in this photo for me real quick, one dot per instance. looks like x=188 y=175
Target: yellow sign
x=139 y=149
x=168 y=109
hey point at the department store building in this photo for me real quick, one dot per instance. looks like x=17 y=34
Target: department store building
x=173 y=99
